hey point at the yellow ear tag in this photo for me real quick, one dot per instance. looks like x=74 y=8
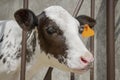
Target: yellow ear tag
x=87 y=31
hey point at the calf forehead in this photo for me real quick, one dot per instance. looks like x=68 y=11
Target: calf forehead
x=61 y=17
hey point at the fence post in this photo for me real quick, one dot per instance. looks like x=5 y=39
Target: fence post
x=92 y=13
x=48 y=75
x=23 y=54
x=110 y=14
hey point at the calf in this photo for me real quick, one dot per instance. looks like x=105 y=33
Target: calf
x=53 y=39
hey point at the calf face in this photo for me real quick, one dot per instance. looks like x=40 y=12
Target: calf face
x=58 y=34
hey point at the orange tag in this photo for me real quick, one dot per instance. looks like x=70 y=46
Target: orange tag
x=87 y=31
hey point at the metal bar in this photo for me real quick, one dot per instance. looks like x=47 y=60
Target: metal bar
x=72 y=76
x=23 y=54
x=92 y=13
x=48 y=75
x=110 y=16
x=79 y=4
x=25 y=4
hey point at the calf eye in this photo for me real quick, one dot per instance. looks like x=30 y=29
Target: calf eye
x=50 y=30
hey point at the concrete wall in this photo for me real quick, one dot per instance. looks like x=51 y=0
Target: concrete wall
x=8 y=7
x=117 y=39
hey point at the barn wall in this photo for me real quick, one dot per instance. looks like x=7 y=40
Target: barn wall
x=8 y=7
x=100 y=43
x=117 y=39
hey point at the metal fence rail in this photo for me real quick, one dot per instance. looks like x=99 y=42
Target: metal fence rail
x=23 y=55
x=92 y=13
x=110 y=19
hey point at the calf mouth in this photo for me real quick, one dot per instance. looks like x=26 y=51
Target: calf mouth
x=85 y=69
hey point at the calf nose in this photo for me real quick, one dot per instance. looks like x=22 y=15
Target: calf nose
x=87 y=58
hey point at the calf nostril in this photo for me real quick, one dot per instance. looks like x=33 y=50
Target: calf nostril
x=83 y=60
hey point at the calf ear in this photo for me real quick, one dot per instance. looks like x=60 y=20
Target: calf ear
x=83 y=19
x=26 y=19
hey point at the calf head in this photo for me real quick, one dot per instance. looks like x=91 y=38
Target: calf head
x=59 y=34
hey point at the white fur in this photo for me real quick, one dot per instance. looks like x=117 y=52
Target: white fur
x=69 y=26
x=66 y=23
x=12 y=33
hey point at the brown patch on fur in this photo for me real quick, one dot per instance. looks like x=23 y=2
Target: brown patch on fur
x=51 y=38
